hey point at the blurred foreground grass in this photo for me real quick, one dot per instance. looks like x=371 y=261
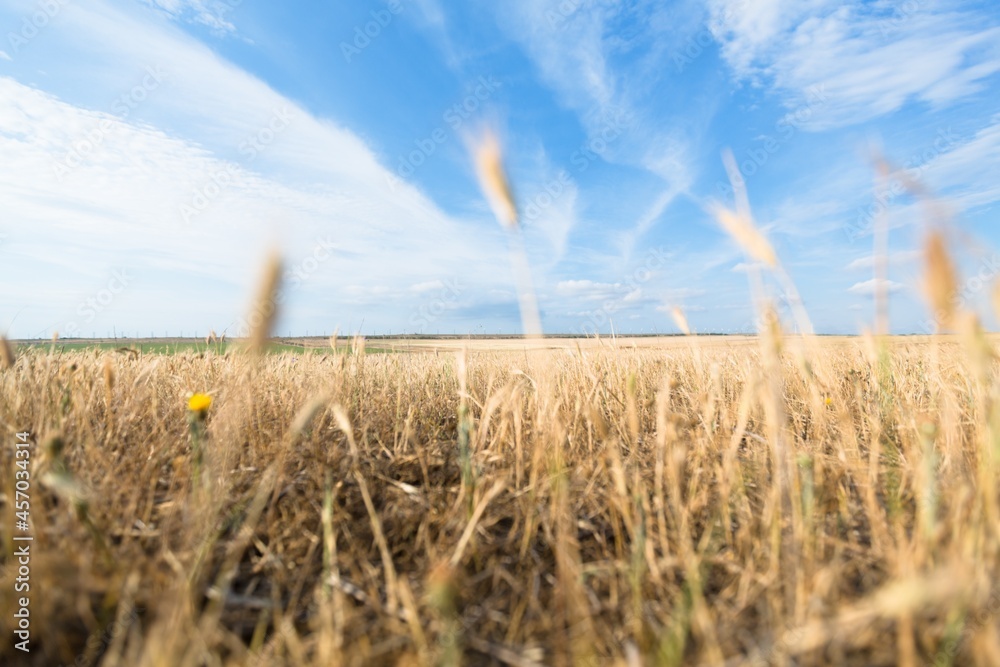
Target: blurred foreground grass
x=579 y=506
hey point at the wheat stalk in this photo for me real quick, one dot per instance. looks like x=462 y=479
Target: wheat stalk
x=264 y=312
x=496 y=187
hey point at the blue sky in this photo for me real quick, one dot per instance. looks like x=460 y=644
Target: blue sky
x=154 y=151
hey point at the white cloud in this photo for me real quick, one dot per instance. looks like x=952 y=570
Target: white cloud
x=314 y=183
x=4 y=55
x=426 y=286
x=963 y=176
x=599 y=293
x=211 y=14
x=969 y=172
x=751 y=27
x=549 y=211
x=668 y=308
x=868 y=261
x=868 y=287
x=868 y=60
x=586 y=289
x=367 y=294
x=681 y=294
x=653 y=213
x=430 y=16
x=744 y=267
x=576 y=49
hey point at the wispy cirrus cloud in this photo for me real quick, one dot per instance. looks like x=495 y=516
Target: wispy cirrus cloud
x=614 y=114
x=589 y=290
x=869 y=287
x=869 y=58
x=604 y=76
x=901 y=257
x=212 y=14
x=122 y=204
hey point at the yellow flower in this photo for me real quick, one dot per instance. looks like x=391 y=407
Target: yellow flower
x=829 y=401
x=199 y=402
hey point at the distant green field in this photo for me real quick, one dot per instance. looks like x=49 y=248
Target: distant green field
x=187 y=346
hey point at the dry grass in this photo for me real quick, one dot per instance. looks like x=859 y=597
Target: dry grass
x=570 y=506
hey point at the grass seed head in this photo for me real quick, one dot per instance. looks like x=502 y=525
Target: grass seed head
x=941 y=284
x=265 y=309
x=109 y=375
x=996 y=298
x=743 y=231
x=680 y=320
x=7 y=357
x=493 y=181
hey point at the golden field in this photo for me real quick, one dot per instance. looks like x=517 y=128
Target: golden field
x=796 y=501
